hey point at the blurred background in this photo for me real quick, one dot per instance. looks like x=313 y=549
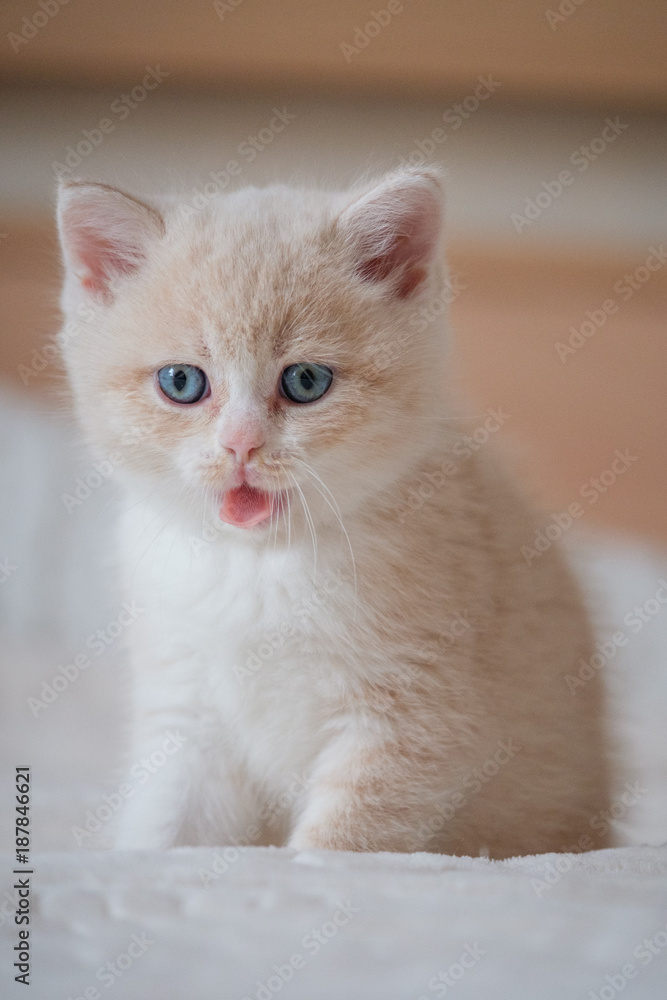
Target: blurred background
x=549 y=119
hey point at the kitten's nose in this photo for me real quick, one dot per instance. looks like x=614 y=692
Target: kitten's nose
x=243 y=442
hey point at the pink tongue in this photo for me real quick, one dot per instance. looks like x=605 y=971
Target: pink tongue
x=245 y=506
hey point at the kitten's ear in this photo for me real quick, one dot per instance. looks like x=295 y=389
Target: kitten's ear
x=394 y=230
x=104 y=234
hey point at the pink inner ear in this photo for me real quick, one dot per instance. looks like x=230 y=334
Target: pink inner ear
x=380 y=268
x=398 y=233
x=101 y=259
x=105 y=234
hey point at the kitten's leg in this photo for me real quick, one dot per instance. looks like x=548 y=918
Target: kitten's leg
x=367 y=796
x=180 y=792
x=156 y=807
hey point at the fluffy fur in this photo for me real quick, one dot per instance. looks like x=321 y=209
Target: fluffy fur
x=354 y=674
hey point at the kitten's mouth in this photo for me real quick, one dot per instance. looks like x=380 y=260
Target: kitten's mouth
x=245 y=506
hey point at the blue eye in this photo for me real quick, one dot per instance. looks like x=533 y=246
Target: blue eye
x=305 y=382
x=183 y=383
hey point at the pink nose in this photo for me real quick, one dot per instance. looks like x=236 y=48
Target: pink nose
x=243 y=443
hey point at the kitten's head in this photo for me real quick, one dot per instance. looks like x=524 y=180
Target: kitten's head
x=262 y=353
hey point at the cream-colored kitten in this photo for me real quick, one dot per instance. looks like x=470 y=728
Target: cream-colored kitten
x=329 y=666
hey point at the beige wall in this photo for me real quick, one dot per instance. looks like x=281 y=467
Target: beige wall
x=360 y=111
x=603 y=50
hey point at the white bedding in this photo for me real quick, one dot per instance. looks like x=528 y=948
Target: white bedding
x=390 y=926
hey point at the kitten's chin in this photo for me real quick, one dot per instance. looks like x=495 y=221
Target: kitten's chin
x=247 y=507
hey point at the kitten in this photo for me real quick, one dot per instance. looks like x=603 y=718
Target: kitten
x=334 y=667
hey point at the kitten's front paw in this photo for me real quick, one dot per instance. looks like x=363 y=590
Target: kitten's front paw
x=327 y=839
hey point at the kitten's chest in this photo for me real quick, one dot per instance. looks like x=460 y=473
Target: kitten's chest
x=273 y=671
x=253 y=636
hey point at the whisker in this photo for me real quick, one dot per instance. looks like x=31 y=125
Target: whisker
x=309 y=521
x=155 y=538
x=336 y=511
x=289 y=520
